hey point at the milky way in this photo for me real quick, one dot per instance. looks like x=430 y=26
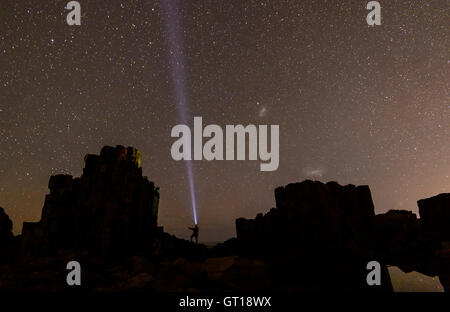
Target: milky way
x=355 y=104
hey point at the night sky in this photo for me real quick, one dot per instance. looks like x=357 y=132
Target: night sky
x=355 y=104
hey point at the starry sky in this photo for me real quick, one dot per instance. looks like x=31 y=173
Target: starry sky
x=355 y=104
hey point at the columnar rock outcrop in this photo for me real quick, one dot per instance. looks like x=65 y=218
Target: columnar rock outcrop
x=111 y=208
x=435 y=219
x=324 y=230
x=435 y=216
x=313 y=212
x=6 y=236
x=319 y=237
x=421 y=245
x=400 y=239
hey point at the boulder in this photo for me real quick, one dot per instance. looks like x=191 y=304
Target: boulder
x=215 y=267
x=186 y=267
x=138 y=281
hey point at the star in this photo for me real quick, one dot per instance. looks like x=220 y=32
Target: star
x=355 y=104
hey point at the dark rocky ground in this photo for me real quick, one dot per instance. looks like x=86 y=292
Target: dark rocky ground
x=319 y=237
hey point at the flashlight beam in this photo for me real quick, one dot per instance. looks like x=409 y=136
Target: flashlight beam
x=176 y=60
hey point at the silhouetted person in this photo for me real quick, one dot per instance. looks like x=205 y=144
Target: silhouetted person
x=194 y=233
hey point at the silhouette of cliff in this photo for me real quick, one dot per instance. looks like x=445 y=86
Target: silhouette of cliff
x=6 y=237
x=435 y=216
x=320 y=233
x=111 y=208
x=326 y=234
x=413 y=244
x=318 y=237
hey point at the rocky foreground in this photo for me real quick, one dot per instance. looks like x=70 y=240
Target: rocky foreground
x=318 y=237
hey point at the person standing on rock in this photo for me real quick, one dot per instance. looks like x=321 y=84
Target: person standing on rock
x=194 y=233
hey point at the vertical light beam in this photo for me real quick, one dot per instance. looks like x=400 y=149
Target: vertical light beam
x=176 y=60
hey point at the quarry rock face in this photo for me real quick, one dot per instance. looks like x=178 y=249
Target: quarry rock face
x=6 y=236
x=435 y=215
x=110 y=208
x=321 y=233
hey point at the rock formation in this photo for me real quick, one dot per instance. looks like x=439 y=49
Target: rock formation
x=413 y=244
x=316 y=224
x=111 y=208
x=6 y=236
x=435 y=216
x=318 y=237
x=322 y=234
x=400 y=240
